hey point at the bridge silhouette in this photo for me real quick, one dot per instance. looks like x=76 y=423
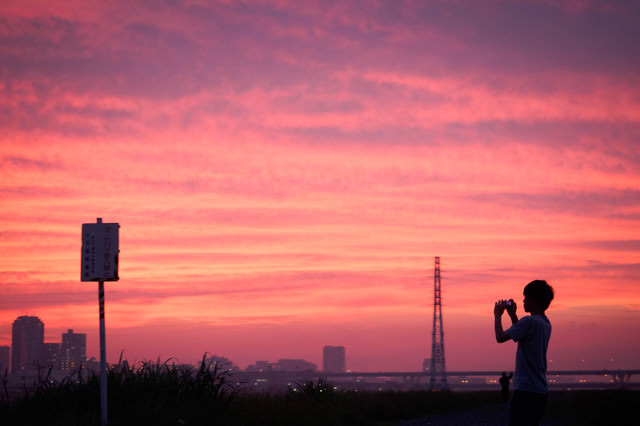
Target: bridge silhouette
x=620 y=378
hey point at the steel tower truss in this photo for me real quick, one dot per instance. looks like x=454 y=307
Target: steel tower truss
x=438 y=372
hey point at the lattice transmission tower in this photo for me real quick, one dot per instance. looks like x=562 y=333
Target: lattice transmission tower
x=438 y=372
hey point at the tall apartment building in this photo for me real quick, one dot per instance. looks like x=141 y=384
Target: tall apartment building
x=27 y=344
x=52 y=355
x=5 y=356
x=73 y=350
x=334 y=359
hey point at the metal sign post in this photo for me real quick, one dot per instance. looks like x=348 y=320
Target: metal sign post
x=100 y=250
x=103 y=358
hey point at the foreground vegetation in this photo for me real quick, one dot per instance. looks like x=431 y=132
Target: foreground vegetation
x=162 y=394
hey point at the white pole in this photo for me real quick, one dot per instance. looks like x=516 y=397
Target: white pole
x=103 y=355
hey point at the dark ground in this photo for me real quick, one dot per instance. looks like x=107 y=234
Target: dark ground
x=564 y=408
x=488 y=416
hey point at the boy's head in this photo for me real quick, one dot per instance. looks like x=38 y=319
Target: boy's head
x=540 y=292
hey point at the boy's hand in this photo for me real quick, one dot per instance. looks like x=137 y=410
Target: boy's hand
x=511 y=307
x=498 y=310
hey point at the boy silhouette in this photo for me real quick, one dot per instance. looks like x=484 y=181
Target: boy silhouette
x=505 y=379
x=532 y=334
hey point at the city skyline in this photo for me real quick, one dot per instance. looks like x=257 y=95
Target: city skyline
x=30 y=351
x=284 y=173
x=33 y=353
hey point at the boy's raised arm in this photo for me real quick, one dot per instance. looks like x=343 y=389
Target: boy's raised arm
x=511 y=310
x=498 y=310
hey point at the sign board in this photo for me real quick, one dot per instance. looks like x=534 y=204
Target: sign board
x=99 y=252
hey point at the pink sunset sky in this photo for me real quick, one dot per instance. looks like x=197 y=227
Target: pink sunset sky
x=284 y=173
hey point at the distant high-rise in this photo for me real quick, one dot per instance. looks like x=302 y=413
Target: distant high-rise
x=73 y=350
x=334 y=359
x=27 y=344
x=4 y=358
x=52 y=355
x=426 y=364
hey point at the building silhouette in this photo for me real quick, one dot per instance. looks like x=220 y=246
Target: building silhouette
x=92 y=364
x=73 y=350
x=52 y=355
x=288 y=365
x=5 y=354
x=261 y=367
x=333 y=359
x=27 y=344
x=426 y=364
x=294 y=365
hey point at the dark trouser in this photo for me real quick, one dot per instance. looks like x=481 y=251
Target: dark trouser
x=526 y=408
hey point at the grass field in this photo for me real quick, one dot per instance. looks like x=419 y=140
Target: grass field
x=159 y=394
